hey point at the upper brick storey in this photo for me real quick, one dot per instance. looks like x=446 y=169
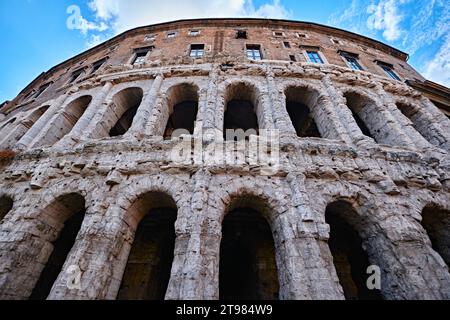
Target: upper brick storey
x=171 y=44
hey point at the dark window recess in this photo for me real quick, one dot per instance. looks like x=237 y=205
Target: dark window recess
x=279 y=34
x=241 y=34
x=197 y=50
x=140 y=55
x=254 y=52
x=42 y=89
x=75 y=75
x=97 y=65
x=286 y=44
x=390 y=72
x=302 y=120
x=292 y=58
x=353 y=62
x=314 y=57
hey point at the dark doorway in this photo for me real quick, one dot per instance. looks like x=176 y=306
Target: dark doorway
x=62 y=245
x=149 y=265
x=350 y=260
x=248 y=268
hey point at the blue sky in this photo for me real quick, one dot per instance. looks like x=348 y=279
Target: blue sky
x=38 y=34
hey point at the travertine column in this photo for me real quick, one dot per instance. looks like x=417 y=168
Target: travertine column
x=313 y=275
x=27 y=140
x=280 y=115
x=147 y=110
x=396 y=133
x=78 y=130
x=194 y=248
x=346 y=120
x=12 y=136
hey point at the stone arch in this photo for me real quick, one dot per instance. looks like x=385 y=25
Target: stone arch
x=147 y=272
x=20 y=129
x=346 y=245
x=301 y=105
x=265 y=211
x=418 y=119
x=65 y=121
x=6 y=204
x=364 y=109
x=436 y=222
x=182 y=103
x=248 y=268
x=242 y=107
x=123 y=108
x=59 y=222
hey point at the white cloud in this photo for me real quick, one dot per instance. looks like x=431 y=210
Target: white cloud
x=438 y=69
x=122 y=15
x=77 y=22
x=385 y=16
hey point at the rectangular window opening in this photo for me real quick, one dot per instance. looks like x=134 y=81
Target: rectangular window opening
x=241 y=34
x=286 y=44
x=194 y=33
x=197 y=50
x=97 y=65
x=314 y=57
x=75 y=75
x=254 y=52
x=292 y=58
x=140 y=55
x=42 y=89
x=353 y=62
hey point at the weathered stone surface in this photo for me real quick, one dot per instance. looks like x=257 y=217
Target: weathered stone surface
x=388 y=180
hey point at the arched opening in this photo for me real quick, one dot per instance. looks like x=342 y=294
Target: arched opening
x=66 y=121
x=299 y=103
x=6 y=204
x=63 y=219
x=363 y=112
x=182 y=101
x=436 y=222
x=149 y=265
x=248 y=269
x=349 y=257
x=418 y=122
x=241 y=101
x=125 y=106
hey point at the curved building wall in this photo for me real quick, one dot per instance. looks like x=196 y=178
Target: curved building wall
x=358 y=150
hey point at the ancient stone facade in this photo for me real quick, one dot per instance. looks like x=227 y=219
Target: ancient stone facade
x=92 y=207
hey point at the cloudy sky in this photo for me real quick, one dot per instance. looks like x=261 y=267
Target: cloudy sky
x=38 y=34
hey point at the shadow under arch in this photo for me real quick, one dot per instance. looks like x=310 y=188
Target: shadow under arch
x=6 y=204
x=124 y=108
x=147 y=273
x=182 y=106
x=248 y=268
x=349 y=256
x=300 y=103
x=62 y=221
x=436 y=222
x=242 y=107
